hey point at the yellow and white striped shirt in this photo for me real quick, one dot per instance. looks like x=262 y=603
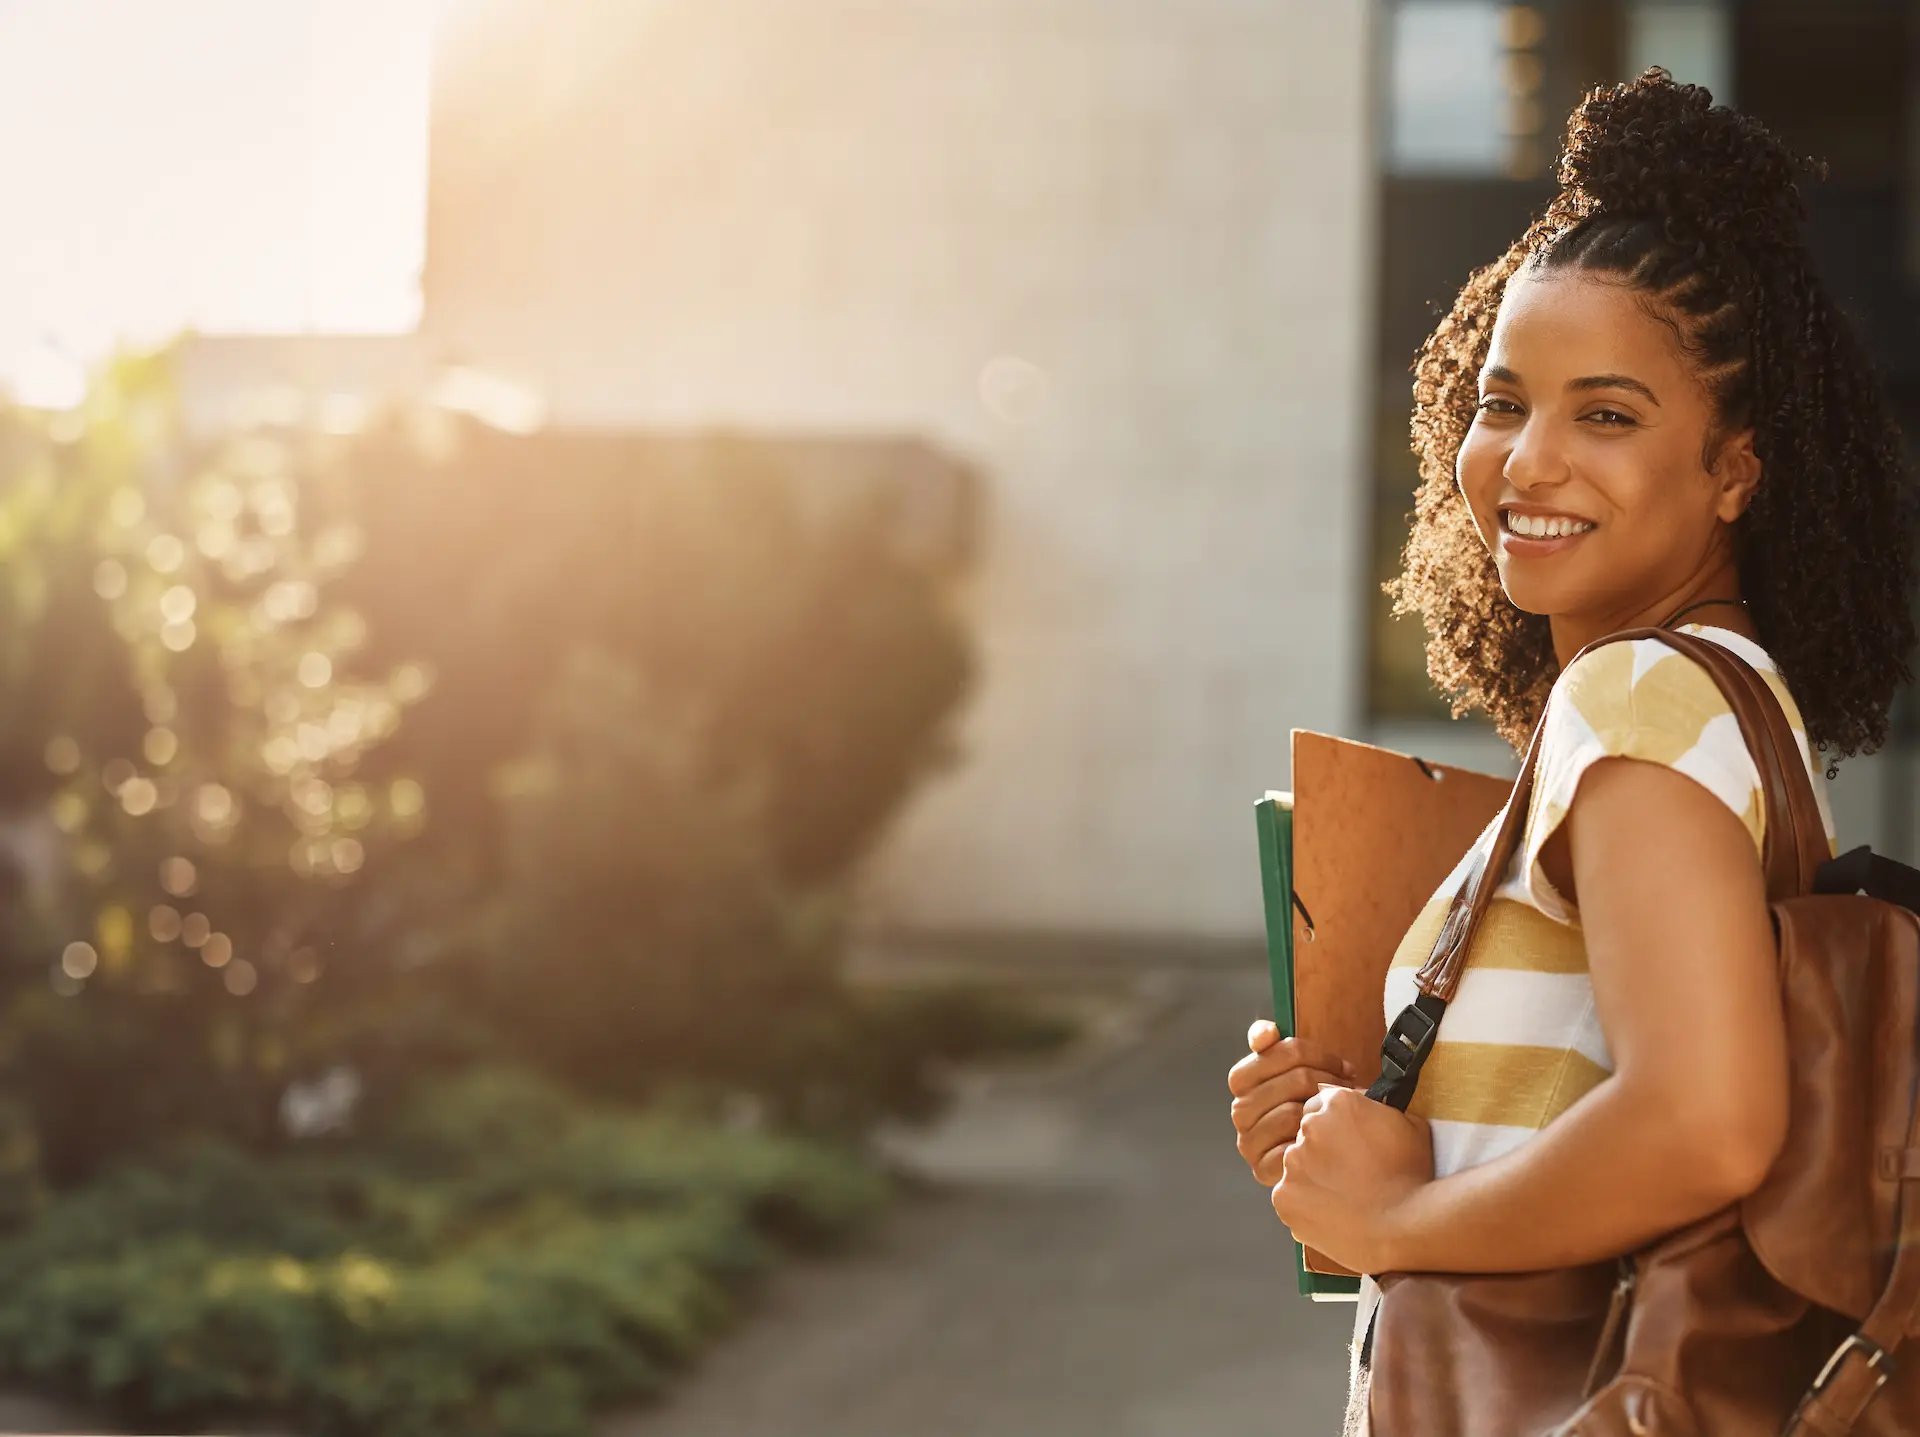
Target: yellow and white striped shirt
x=1520 y=1042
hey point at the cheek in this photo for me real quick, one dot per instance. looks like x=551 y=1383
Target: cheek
x=1476 y=473
x=1648 y=490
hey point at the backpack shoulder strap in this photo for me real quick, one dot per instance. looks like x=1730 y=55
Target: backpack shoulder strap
x=1796 y=841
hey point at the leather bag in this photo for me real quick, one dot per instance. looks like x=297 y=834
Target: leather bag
x=1779 y=1316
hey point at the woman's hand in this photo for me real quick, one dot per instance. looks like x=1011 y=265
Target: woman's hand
x=1344 y=1180
x=1270 y=1088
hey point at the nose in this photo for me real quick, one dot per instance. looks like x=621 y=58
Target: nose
x=1533 y=457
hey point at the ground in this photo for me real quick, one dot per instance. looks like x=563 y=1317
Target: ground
x=1094 y=1260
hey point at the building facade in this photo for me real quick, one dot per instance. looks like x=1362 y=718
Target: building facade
x=1112 y=253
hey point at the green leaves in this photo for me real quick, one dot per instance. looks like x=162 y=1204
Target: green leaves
x=495 y=1261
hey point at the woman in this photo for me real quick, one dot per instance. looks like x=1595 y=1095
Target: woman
x=1646 y=412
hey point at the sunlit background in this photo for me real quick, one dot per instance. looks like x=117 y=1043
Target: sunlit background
x=220 y=165
x=635 y=644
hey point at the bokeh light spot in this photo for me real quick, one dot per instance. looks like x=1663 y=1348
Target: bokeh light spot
x=114 y=929
x=178 y=876
x=109 y=579
x=215 y=539
x=177 y=604
x=316 y=670
x=160 y=746
x=79 y=960
x=224 y=502
x=69 y=811
x=166 y=553
x=314 y=743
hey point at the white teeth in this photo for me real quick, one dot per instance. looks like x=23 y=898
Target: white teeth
x=1534 y=527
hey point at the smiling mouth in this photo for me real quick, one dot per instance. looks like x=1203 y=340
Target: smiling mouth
x=1530 y=533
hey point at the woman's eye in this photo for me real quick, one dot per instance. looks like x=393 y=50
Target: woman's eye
x=1612 y=418
x=1493 y=404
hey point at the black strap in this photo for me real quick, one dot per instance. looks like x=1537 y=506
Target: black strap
x=1861 y=870
x=1404 y=1052
x=1736 y=603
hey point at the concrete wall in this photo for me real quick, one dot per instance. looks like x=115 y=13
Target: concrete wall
x=1116 y=253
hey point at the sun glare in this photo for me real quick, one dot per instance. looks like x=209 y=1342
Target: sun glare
x=251 y=166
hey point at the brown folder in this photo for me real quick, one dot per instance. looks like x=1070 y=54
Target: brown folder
x=1375 y=833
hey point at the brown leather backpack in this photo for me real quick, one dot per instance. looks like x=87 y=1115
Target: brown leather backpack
x=1780 y=1316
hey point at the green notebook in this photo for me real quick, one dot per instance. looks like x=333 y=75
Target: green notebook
x=1274 y=816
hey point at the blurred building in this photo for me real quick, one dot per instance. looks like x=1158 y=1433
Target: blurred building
x=1155 y=269
x=1114 y=253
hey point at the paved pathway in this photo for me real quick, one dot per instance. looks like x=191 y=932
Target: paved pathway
x=1094 y=1261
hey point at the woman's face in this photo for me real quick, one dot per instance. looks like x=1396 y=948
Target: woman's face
x=1589 y=413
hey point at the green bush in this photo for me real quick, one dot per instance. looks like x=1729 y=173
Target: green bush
x=389 y=749
x=677 y=699
x=495 y=1259
x=776 y=592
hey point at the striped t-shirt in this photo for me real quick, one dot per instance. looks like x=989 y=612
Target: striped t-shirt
x=1520 y=1041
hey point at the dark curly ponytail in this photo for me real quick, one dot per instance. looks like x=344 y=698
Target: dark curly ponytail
x=1697 y=207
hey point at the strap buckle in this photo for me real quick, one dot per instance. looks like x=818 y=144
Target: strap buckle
x=1877 y=1359
x=1407 y=1043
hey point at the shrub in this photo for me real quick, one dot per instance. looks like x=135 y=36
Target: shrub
x=496 y=1258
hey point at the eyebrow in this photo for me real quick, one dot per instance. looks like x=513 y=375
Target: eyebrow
x=1585 y=382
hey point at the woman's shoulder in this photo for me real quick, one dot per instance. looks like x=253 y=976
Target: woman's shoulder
x=1635 y=693
x=1644 y=699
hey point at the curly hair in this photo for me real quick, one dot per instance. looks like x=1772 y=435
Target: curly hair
x=1696 y=207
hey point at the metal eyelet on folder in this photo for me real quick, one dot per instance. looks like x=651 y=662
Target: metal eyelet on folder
x=1305 y=916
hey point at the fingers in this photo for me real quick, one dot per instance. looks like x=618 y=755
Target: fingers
x=1268 y=1119
x=1279 y=1056
x=1271 y=1142
x=1262 y=1145
x=1270 y=1164
x=1317 y=1099
x=1296 y=1085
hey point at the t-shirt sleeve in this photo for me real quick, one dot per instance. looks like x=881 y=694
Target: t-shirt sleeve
x=1636 y=698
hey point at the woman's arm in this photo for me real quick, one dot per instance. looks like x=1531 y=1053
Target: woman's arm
x=1681 y=954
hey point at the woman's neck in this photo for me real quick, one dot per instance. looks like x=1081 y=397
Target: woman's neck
x=1716 y=602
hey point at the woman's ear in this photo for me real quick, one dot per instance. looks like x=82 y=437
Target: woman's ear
x=1736 y=468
